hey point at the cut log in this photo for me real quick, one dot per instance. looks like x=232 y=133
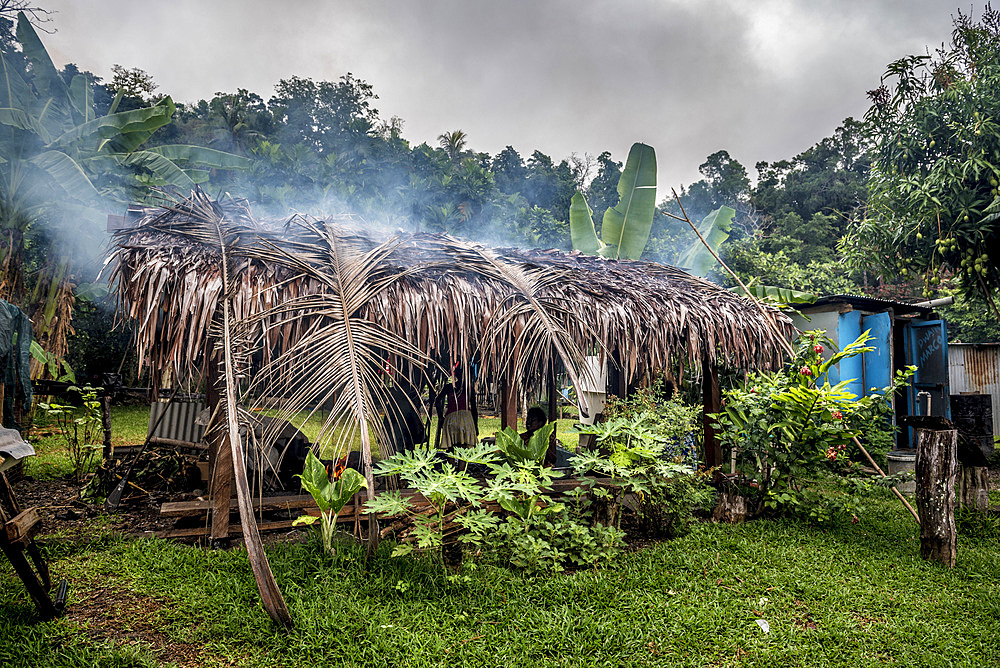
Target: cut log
x=972 y=488
x=732 y=508
x=935 y=472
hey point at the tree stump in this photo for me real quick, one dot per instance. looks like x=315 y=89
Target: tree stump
x=732 y=507
x=935 y=472
x=972 y=488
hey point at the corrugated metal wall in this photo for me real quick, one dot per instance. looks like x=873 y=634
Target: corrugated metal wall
x=178 y=424
x=975 y=367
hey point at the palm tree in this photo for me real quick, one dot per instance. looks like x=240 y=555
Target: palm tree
x=453 y=144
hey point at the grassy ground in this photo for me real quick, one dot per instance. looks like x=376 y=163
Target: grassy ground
x=849 y=595
x=842 y=595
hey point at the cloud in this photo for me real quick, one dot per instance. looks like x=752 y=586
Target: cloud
x=763 y=80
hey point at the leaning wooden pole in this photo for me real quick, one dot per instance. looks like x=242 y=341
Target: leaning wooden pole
x=270 y=595
x=780 y=337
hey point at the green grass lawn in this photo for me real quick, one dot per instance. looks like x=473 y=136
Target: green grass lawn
x=847 y=595
x=851 y=595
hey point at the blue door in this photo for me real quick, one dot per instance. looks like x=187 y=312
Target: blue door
x=877 y=363
x=927 y=347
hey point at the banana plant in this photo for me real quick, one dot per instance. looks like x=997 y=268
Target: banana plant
x=625 y=227
x=714 y=228
x=64 y=167
x=331 y=497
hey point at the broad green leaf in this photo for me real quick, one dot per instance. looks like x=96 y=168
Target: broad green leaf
x=512 y=445
x=67 y=174
x=344 y=488
x=18 y=118
x=44 y=74
x=205 y=157
x=775 y=295
x=163 y=170
x=316 y=481
x=14 y=91
x=625 y=228
x=715 y=229
x=305 y=520
x=82 y=97
x=123 y=132
x=581 y=226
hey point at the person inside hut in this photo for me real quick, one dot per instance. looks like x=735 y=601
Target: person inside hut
x=403 y=424
x=533 y=421
x=458 y=418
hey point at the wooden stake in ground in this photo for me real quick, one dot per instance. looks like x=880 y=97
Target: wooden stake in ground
x=935 y=468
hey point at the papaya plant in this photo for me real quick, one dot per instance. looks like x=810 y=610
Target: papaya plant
x=330 y=496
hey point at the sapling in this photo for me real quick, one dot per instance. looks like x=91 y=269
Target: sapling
x=330 y=496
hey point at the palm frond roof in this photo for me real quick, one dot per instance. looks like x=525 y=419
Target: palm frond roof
x=168 y=282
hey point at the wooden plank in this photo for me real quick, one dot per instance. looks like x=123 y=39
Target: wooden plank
x=184 y=508
x=24 y=526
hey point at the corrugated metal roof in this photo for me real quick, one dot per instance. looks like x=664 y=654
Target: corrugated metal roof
x=872 y=304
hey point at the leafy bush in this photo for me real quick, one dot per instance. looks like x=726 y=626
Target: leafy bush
x=647 y=448
x=81 y=428
x=790 y=426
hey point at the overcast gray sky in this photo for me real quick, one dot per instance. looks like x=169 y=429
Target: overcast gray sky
x=763 y=79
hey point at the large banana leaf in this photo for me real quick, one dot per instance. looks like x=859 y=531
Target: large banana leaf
x=123 y=132
x=163 y=170
x=16 y=118
x=775 y=295
x=581 y=226
x=715 y=229
x=57 y=114
x=14 y=91
x=205 y=157
x=625 y=229
x=82 y=97
x=67 y=174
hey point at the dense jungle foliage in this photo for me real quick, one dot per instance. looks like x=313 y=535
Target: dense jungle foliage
x=324 y=147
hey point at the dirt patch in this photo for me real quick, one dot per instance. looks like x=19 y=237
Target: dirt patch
x=129 y=619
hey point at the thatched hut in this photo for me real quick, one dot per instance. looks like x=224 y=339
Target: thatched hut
x=425 y=299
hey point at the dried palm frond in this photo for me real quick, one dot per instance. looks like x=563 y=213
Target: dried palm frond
x=207 y=224
x=530 y=321
x=339 y=357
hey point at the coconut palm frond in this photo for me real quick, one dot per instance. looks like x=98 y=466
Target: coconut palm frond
x=340 y=356
x=232 y=337
x=529 y=323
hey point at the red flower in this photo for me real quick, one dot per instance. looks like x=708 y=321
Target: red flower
x=831 y=454
x=805 y=371
x=818 y=349
x=837 y=415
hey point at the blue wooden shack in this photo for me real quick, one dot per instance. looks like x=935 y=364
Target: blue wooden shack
x=904 y=334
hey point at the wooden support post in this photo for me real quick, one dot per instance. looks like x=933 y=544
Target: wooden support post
x=972 y=488
x=221 y=461
x=935 y=472
x=553 y=407
x=109 y=449
x=712 y=403
x=508 y=403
